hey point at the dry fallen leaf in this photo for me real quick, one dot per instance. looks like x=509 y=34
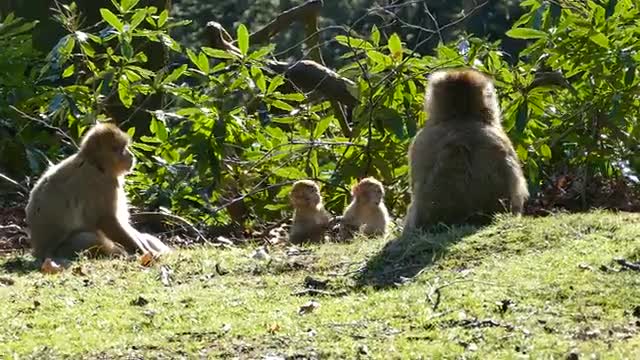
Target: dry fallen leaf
x=79 y=271
x=50 y=267
x=274 y=328
x=146 y=259
x=308 y=307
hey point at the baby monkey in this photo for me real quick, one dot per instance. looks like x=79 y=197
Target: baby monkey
x=310 y=219
x=367 y=212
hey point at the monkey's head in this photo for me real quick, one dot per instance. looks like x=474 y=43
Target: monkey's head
x=369 y=191
x=460 y=94
x=107 y=148
x=305 y=194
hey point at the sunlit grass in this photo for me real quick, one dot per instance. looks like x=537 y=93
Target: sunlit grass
x=536 y=288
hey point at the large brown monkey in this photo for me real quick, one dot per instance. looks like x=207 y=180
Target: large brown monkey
x=367 y=212
x=80 y=204
x=463 y=166
x=310 y=219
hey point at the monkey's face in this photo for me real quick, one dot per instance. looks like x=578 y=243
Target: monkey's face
x=304 y=196
x=107 y=147
x=123 y=159
x=369 y=192
x=115 y=158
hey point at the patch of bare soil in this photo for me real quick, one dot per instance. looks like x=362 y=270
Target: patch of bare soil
x=12 y=230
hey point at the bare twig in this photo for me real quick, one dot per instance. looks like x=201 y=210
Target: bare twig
x=316 y=292
x=148 y=216
x=14 y=183
x=436 y=290
x=46 y=125
x=309 y=9
x=627 y=264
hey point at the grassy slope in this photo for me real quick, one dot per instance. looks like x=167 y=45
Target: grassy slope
x=522 y=286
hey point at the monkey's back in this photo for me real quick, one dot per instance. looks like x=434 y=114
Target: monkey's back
x=65 y=199
x=460 y=171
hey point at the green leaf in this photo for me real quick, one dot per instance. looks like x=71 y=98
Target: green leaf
x=526 y=33
x=281 y=105
x=258 y=78
x=375 y=35
x=158 y=128
x=523 y=154
x=391 y=120
x=379 y=58
x=395 y=47
x=353 y=43
x=322 y=126
x=162 y=19
x=138 y=18
x=129 y=4
x=203 y=63
x=124 y=93
x=290 y=173
x=175 y=74
x=545 y=151
x=275 y=82
x=192 y=56
x=111 y=19
x=243 y=39
x=127 y=50
x=537 y=17
x=68 y=71
x=217 y=53
x=600 y=39
x=290 y=97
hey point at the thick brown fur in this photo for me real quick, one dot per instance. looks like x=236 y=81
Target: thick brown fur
x=463 y=167
x=367 y=212
x=79 y=204
x=310 y=219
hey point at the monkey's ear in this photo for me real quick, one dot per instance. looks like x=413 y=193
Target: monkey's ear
x=354 y=188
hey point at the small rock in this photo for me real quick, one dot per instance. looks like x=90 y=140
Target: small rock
x=226 y=328
x=261 y=254
x=139 y=301
x=308 y=307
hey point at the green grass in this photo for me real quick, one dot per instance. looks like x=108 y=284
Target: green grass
x=538 y=288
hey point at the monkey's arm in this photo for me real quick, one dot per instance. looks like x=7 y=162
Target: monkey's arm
x=123 y=234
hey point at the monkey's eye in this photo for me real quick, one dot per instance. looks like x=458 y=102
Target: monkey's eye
x=116 y=148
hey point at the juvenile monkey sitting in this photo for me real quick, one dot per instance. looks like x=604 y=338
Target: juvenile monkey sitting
x=79 y=204
x=367 y=212
x=462 y=164
x=310 y=219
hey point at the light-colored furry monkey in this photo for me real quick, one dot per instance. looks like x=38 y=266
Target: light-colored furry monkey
x=310 y=219
x=367 y=212
x=463 y=167
x=79 y=204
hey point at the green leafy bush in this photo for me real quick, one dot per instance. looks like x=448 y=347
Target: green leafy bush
x=229 y=139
